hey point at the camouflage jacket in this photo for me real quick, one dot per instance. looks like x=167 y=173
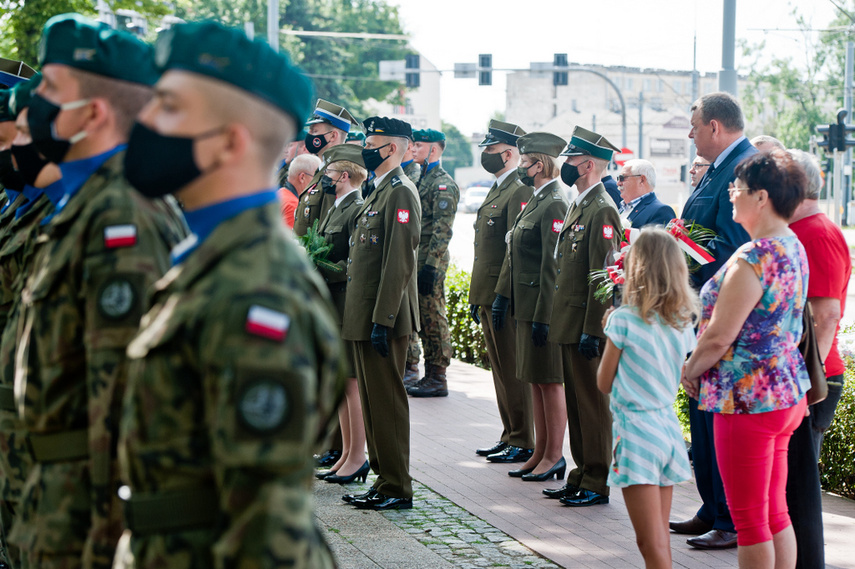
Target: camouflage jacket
x=235 y=373
x=413 y=171
x=7 y=229
x=92 y=265
x=439 y=196
x=314 y=204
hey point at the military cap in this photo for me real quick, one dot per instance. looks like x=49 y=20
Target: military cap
x=87 y=45
x=13 y=72
x=22 y=93
x=586 y=142
x=355 y=135
x=428 y=135
x=385 y=126
x=502 y=132
x=540 y=142
x=228 y=55
x=333 y=114
x=348 y=152
x=6 y=113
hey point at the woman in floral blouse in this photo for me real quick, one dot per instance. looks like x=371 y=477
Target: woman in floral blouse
x=747 y=368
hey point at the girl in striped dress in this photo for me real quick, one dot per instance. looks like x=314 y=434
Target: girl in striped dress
x=648 y=339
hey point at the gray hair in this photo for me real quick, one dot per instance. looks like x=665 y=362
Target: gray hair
x=765 y=139
x=811 y=166
x=305 y=163
x=722 y=107
x=640 y=167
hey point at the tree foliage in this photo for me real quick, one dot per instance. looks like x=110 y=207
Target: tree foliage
x=458 y=152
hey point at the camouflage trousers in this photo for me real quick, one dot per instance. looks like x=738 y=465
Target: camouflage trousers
x=434 y=334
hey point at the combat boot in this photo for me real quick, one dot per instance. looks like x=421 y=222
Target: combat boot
x=432 y=385
x=411 y=374
x=414 y=378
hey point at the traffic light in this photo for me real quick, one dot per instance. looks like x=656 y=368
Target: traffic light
x=412 y=71
x=829 y=134
x=485 y=69
x=559 y=77
x=836 y=136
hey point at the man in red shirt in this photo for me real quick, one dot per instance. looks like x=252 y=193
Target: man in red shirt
x=830 y=270
x=300 y=172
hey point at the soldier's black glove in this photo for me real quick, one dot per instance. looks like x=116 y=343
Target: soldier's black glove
x=500 y=309
x=473 y=313
x=426 y=279
x=539 y=333
x=589 y=346
x=379 y=339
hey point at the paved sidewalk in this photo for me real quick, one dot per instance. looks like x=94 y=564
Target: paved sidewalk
x=477 y=502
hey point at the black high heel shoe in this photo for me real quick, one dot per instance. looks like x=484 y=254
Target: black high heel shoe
x=322 y=475
x=519 y=472
x=362 y=474
x=557 y=470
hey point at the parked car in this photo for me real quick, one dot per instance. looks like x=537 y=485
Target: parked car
x=473 y=198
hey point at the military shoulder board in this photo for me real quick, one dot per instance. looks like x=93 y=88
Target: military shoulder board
x=396 y=181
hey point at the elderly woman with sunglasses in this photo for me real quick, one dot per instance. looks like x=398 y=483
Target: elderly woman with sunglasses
x=747 y=368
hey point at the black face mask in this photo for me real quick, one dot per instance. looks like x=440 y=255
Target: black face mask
x=372 y=158
x=492 y=162
x=41 y=116
x=316 y=142
x=569 y=174
x=9 y=177
x=524 y=177
x=328 y=184
x=29 y=161
x=173 y=156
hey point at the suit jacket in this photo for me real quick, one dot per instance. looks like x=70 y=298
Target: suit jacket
x=336 y=228
x=709 y=205
x=381 y=275
x=531 y=266
x=650 y=211
x=500 y=208
x=612 y=189
x=590 y=233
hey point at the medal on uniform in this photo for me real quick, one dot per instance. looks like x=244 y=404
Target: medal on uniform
x=373 y=239
x=362 y=238
x=307 y=211
x=490 y=222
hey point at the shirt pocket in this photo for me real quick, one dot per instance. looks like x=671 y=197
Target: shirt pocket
x=528 y=235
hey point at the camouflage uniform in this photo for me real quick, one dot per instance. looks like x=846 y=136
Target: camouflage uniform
x=81 y=306
x=224 y=406
x=413 y=171
x=6 y=219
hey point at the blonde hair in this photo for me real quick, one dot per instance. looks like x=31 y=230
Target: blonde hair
x=550 y=167
x=657 y=280
x=357 y=173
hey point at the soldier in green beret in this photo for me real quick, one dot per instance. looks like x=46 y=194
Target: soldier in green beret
x=102 y=246
x=236 y=368
x=356 y=138
x=530 y=278
x=439 y=195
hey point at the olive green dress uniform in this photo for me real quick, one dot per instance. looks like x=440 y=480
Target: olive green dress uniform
x=314 y=203
x=495 y=216
x=413 y=171
x=336 y=229
x=381 y=289
x=532 y=281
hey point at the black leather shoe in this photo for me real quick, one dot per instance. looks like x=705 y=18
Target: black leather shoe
x=520 y=472
x=511 y=454
x=322 y=474
x=498 y=447
x=714 y=539
x=349 y=498
x=382 y=502
x=584 y=498
x=557 y=470
x=328 y=458
x=695 y=526
x=566 y=490
x=360 y=474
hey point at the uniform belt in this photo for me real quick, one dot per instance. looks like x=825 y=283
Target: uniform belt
x=169 y=512
x=7 y=398
x=60 y=447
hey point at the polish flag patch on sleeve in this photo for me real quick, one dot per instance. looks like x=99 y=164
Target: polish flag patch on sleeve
x=608 y=232
x=267 y=323
x=403 y=216
x=557 y=225
x=522 y=205
x=120 y=236
x=442 y=188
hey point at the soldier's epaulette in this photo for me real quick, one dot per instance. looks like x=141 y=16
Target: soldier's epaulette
x=518 y=182
x=396 y=181
x=556 y=195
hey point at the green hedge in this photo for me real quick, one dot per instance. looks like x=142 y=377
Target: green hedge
x=467 y=338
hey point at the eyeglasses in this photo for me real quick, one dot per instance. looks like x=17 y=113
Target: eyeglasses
x=732 y=189
x=622 y=178
x=701 y=165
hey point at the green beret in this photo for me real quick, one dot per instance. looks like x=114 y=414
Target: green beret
x=87 y=45
x=355 y=135
x=6 y=113
x=228 y=55
x=541 y=142
x=301 y=136
x=344 y=152
x=428 y=135
x=586 y=142
x=22 y=93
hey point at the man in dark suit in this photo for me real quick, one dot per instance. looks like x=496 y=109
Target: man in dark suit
x=717 y=126
x=611 y=188
x=639 y=205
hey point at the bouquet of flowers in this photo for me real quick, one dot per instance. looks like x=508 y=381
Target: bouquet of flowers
x=610 y=277
x=318 y=249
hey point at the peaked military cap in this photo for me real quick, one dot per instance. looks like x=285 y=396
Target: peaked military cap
x=541 y=142
x=87 y=45
x=348 y=152
x=385 y=126
x=6 y=113
x=22 y=93
x=333 y=114
x=355 y=135
x=14 y=72
x=428 y=135
x=228 y=55
x=502 y=132
x=585 y=142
